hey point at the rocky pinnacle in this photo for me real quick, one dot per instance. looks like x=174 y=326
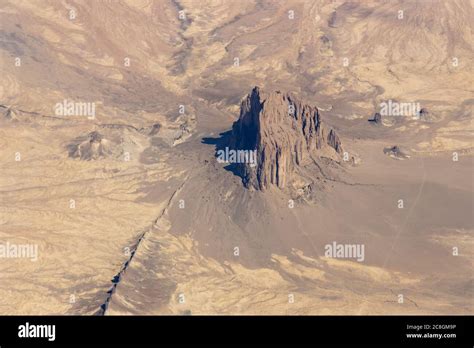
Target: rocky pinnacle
x=285 y=132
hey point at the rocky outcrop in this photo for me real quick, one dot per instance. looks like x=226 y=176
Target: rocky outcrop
x=396 y=152
x=376 y=119
x=334 y=141
x=155 y=129
x=8 y=113
x=94 y=147
x=423 y=114
x=284 y=132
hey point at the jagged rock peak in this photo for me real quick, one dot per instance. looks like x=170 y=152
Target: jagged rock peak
x=284 y=132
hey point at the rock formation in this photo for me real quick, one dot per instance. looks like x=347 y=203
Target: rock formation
x=423 y=114
x=396 y=152
x=285 y=133
x=94 y=147
x=8 y=113
x=155 y=129
x=376 y=119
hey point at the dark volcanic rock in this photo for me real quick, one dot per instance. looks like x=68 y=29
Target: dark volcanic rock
x=423 y=114
x=284 y=132
x=377 y=118
x=155 y=129
x=334 y=141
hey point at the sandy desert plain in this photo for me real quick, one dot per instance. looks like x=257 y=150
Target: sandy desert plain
x=129 y=209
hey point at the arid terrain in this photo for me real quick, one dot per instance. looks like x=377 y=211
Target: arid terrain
x=112 y=116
